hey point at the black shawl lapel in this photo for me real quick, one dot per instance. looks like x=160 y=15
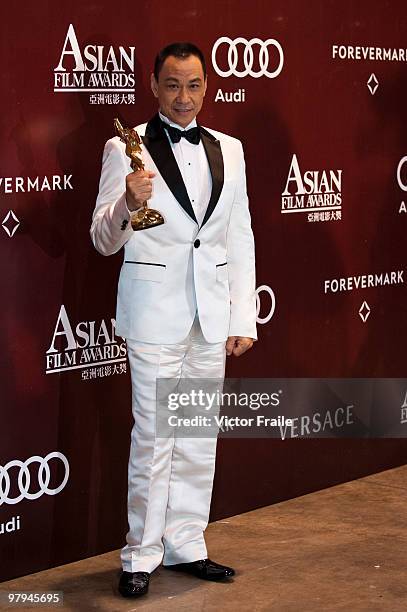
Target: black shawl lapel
x=215 y=160
x=157 y=144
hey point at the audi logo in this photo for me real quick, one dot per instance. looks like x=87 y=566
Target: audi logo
x=248 y=57
x=24 y=478
x=263 y=320
x=402 y=185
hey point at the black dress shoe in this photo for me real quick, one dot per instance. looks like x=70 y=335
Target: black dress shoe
x=134 y=584
x=204 y=568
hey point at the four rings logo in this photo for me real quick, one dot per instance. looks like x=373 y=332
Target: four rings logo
x=22 y=484
x=263 y=59
x=400 y=177
x=272 y=307
x=401 y=180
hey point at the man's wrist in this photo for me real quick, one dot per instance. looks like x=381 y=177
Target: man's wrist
x=132 y=210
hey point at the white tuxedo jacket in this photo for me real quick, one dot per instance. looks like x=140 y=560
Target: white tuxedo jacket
x=172 y=270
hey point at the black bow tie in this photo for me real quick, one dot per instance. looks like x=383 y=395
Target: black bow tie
x=193 y=135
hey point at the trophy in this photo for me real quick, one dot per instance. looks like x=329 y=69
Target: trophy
x=145 y=217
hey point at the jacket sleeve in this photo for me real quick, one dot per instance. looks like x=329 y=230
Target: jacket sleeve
x=111 y=227
x=241 y=261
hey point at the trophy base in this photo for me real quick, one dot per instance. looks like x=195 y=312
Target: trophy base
x=146 y=218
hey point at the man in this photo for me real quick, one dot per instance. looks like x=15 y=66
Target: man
x=186 y=287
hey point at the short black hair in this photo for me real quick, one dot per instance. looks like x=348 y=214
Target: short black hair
x=180 y=50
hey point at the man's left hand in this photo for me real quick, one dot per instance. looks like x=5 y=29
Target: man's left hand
x=238 y=345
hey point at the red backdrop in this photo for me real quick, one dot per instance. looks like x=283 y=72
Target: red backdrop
x=324 y=82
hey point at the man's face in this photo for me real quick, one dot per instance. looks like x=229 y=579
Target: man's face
x=180 y=88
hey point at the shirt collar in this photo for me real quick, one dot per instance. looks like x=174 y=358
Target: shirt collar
x=165 y=120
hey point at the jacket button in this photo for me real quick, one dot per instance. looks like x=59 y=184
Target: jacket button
x=197 y=243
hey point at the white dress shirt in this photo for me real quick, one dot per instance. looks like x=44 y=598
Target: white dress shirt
x=194 y=168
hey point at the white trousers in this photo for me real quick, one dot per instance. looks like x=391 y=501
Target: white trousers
x=169 y=479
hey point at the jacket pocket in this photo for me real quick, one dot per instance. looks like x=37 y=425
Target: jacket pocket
x=222 y=272
x=144 y=270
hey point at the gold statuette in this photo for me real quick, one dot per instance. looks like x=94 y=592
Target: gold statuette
x=145 y=217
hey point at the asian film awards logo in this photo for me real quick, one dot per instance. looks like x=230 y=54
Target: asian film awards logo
x=89 y=346
x=100 y=70
x=316 y=193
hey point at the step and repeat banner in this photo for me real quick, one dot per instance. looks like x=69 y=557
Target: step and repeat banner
x=316 y=91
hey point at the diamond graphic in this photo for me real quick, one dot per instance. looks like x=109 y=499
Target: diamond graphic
x=10 y=223
x=373 y=84
x=364 y=311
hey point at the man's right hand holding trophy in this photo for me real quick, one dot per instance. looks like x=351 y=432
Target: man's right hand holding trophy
x=139 y=186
